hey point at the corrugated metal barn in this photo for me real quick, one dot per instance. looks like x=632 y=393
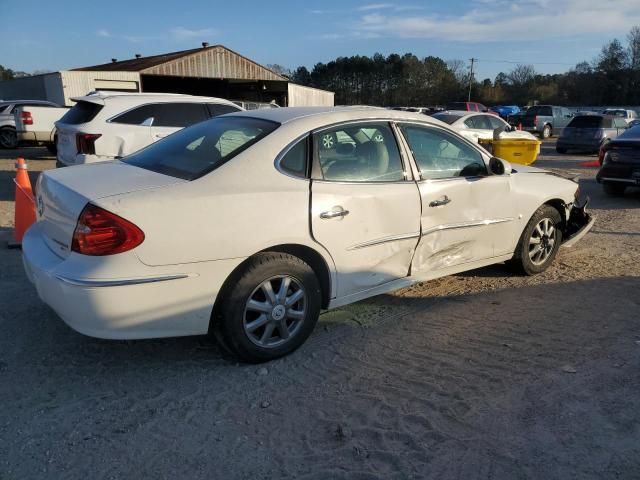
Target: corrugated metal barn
x=211 y=70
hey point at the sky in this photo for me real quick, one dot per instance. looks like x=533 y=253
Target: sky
x=552 y=35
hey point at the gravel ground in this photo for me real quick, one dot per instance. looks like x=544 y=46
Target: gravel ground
x=475 y=376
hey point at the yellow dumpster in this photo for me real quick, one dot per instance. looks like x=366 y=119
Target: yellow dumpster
x=515 y=150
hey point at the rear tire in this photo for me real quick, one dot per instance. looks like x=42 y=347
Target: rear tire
x=561 y=150
x=271 y=308
x=546 y=131
x=614 y=189
x=8 y=138
x=539 y=242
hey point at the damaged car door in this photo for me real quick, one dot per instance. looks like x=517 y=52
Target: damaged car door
x=453 y=214
x=365 y=206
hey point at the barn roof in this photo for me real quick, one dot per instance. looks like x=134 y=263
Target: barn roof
x=215 y=61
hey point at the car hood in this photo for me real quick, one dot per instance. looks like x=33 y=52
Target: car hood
x=516 y=168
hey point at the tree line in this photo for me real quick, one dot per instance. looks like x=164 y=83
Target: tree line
x=612 y=78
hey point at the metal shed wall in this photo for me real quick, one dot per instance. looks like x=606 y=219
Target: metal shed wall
x=215 y=62
x=26 y=88
x=78 y=83
x=301 y=96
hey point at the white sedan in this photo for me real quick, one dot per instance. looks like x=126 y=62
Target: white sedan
x=247 y=226
x=475 y=126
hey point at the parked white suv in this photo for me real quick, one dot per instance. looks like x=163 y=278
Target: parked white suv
x=106 y=125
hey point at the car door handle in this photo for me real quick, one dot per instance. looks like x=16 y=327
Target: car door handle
x=442 y=201
x=337 y=212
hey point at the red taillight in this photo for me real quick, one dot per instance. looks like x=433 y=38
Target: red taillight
x=86 y=142
x=535 y=120
x=26 y=118
x=100 y=232
x=601 y=155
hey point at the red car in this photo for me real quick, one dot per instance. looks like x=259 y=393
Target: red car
x=469 y=107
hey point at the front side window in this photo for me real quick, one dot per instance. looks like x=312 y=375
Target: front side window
x=439 y=154
x=358 y=153
x=195 y=151
x=495 y=122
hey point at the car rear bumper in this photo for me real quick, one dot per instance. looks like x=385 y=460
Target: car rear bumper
x=628 y=173
x=155 y=302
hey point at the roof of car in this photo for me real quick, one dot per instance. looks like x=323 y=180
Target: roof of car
x=289 y=114
x=100 y=96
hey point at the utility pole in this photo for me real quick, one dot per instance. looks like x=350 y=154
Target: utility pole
x=471 y=77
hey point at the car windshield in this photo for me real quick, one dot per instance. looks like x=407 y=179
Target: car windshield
x=195 y=151
x=587 y=121
x=446 y=118
x=81 y=112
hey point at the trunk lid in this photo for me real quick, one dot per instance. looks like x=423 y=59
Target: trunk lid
x=61 y=195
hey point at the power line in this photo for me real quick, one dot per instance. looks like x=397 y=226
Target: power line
x=524 y=62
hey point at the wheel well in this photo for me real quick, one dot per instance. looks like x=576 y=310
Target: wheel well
x=314 y=260
x=560 y=206
x=309 y=255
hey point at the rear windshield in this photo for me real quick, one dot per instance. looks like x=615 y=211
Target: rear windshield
x=443 y=117
x=590 y=121
x=197 y=150
x=632 y=133
x=81 y=112
x=539 y=110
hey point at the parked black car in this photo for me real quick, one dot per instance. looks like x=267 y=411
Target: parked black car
x=620 y=162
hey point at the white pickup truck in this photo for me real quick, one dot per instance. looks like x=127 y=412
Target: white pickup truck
x=35 y=125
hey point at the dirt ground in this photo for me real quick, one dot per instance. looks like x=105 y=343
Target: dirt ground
x=483 y=375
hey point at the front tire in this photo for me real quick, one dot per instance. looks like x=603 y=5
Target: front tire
x=539 y=242
x=614 y=189
x=271 y=309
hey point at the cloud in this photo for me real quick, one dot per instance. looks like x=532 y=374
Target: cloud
x=375 y=6
x=182 y=33
x=177 y=34
x=500 y=21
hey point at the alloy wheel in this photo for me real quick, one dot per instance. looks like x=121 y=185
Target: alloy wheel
x=542 y=241
x=275 y=311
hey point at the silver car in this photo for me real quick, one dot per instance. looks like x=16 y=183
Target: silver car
x=587 y=133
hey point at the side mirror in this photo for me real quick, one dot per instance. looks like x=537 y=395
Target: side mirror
x=148 y=122
x=499 y=166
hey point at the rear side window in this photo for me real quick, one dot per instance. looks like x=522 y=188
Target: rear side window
x=216 y=109
x=165 y=115
x=200 y=149
x=536 y=110
x=443 y=117
x=591 y=121
x=295 y=160
x=456 y=106
x=81 y=112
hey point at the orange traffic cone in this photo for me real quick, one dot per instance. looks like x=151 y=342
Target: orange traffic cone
x=25 y=214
